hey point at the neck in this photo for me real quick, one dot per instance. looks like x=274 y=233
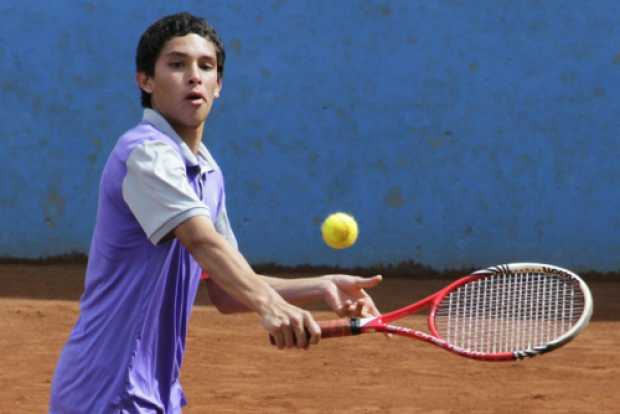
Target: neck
x=191 y=136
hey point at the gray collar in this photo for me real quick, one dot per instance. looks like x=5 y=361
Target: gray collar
x=158 y=121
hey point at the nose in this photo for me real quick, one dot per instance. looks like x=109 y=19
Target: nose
x=194 y=75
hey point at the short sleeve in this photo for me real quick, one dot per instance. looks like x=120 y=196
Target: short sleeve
x=157 y=191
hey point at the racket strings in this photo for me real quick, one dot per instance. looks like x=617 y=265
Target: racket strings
x=507 y=313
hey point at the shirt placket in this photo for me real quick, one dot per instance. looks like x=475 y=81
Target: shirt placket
x=196 y=181
x=201 y=185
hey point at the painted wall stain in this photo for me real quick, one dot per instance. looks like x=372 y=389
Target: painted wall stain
x=53 y=208
x=8 y=86
x=277 y=5
x=378 y=165
x=89 y=7
x=568 y=77
x=257 y=144
x=394 y=198
x=254 y=187
x=313 y=158
x=96 y=151
x=385 y=10
x=37 y=103
x=63 y=41
x=436 y=142
x=376 y=10
x=337 y=188
x=599 y=92
x=235 y=45
x=536 y=26
x=342 y=114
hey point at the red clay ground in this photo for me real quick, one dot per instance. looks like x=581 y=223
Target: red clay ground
x=230 y=368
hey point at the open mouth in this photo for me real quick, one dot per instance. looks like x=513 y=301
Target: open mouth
x=195 y=97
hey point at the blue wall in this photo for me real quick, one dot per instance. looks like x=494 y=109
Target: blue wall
x=458 y=133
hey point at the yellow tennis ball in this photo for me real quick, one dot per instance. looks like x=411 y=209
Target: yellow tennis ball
x=339 y=230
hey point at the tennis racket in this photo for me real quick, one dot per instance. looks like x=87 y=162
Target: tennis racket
x=502 y=313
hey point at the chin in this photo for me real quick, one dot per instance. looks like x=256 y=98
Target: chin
x=197 y=121
x=194 y=120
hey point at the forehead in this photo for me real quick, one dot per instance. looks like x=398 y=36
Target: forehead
x=191 y=44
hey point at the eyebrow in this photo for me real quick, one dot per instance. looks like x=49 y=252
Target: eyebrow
x=184 y=55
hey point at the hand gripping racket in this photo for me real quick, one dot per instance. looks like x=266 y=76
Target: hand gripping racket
x=501 y=313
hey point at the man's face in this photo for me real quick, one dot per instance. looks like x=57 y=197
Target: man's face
x=185 y=82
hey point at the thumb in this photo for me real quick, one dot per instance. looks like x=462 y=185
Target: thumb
x=369 y=282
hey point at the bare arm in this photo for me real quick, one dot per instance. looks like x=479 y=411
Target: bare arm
x=229 y=269
x=344 y=294
x=295 y=291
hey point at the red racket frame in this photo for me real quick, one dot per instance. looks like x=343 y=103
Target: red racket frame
x=381 y=323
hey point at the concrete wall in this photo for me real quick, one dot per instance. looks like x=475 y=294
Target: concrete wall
x=458 y=133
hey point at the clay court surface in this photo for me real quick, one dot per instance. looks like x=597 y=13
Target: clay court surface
x=229 y=367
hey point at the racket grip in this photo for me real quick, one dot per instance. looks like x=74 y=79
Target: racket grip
x=338 y=328
x=334 y=329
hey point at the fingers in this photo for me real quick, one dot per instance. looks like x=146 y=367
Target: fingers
x=298 y=330
x=370 y=309
x=345 y=309
x=346 y=290
x=313 y=329
x=368 y=282
x=334 y=299
x=301 y=339
x=360 y=308
x=277 y=339
x=289 y=337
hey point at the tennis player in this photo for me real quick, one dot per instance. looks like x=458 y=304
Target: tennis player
x=161 y=219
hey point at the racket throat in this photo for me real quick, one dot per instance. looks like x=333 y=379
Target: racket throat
x=371 y=324
x=356 y=327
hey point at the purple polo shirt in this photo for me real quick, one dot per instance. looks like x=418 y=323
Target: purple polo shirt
x=125 y=351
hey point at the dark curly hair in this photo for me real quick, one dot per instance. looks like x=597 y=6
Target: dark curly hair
x=155 y=37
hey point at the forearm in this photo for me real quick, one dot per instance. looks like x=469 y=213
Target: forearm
x=298 y=291
x=295 y=291
x=227 y=267
x=233 y=276
x=288 y=325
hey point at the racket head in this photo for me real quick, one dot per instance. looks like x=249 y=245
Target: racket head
x=511 y=311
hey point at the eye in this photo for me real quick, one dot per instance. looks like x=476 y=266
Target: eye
x=176 y=64
x=206 y=66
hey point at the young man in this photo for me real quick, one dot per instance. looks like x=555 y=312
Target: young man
x=162 y=218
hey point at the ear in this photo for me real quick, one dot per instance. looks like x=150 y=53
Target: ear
x=218 y=89
x=144 y=82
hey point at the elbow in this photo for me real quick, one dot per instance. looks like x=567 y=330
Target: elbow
x=226 y=310
x=197 y=235
x=222 y=301
x=197 y=243
x=222 y=306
